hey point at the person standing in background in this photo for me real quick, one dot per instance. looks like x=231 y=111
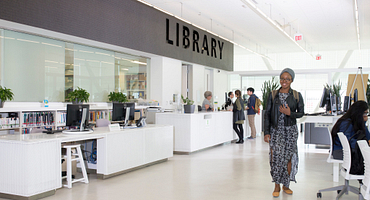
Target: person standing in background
x=250 y=111
x=229 y=101
x=238 y=116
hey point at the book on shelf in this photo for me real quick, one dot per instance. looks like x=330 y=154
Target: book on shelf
x=101 y=114
x=9 y=122
x=61 y=118
x=31 y=119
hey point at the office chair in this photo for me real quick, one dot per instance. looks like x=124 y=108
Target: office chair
x=365 y=150
x=335 y=162
x=344 y=171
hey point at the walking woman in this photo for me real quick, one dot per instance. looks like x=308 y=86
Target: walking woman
x=238 y=116
x=284 y=106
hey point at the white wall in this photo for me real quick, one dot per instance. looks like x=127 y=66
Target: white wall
x=198 y=84
x=165 y=80
x=220 y=86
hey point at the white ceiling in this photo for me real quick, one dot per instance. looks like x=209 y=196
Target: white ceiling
x=326 y=25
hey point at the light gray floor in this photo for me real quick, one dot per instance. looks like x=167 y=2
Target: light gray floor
x=230 y=171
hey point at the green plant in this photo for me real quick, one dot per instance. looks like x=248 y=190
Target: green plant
x=335 y=88
x=6 y=94
x=117 y=96
x=79 y=94
x=267 y=87
x=187 y=101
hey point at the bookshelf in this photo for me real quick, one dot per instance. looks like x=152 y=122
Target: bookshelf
x=17 y=120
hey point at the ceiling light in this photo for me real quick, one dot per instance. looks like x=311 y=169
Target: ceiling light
x=138 y=62
x=273 y=23
x=54 y=45
x=28 y=41
x=357 y=25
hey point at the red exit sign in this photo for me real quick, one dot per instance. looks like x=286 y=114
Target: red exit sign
x=318 y=57
x=298 y=37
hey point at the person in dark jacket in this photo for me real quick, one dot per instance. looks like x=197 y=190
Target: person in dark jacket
x=350 y=123
x=229 y=101
x=283 y=108
x=250 y=111
x=238 y=116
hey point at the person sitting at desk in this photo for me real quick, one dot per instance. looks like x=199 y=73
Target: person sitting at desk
x=352 y=124
x=207 y=105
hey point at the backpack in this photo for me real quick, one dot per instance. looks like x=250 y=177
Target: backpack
x=257 y=105
x=295 y=94
x=357 y=161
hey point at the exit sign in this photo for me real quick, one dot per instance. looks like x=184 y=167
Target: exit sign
x=318 y=57
x=298 y=37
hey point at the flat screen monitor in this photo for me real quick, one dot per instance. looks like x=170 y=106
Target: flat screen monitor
x=355 y=96
x=347 y=103
x=74 y=115
x=119 y=111
x=325 y=98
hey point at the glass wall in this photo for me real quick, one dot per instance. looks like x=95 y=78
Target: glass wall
x=38 y=68
x=33 y=67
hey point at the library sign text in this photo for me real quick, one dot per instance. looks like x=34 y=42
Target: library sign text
x=200 y=44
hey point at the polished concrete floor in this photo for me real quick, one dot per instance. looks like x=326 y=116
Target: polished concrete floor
x=229 y=171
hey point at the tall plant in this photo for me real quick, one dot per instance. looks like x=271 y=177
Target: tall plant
x=267 y=87
x=335 y=88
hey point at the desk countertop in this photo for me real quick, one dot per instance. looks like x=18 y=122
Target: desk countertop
x=40 y=137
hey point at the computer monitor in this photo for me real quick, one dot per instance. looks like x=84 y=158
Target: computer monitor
x=78 y=115
x=325 y=99
x=119 y=111
x=347 y=103
x=355 y=96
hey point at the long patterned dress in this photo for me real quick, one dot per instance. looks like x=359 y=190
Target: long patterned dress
x=283 y=145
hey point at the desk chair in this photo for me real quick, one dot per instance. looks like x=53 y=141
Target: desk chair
x=344 y=171
x=330 y=159
x=365 y=150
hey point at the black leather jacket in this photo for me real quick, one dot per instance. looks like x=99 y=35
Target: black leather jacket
x=272 y=112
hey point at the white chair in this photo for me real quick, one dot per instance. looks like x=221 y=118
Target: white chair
x=365 y=150
x=330 y=159
x=69 y=159
x=344 y=171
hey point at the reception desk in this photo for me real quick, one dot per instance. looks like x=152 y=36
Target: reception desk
x=31 y=164
x=197 y=131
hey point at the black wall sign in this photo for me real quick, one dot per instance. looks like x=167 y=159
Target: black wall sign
x=191 y=38
x=125 y=23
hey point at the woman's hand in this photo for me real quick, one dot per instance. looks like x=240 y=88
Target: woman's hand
x=285 y=109
x=267 y=138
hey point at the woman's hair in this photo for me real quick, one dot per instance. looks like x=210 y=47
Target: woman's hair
x=237 y=92
x=229 y=94
x=207 y=94
x=355 y=116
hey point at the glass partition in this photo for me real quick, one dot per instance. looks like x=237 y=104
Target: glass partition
x=33 y=67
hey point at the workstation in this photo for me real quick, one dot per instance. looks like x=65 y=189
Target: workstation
x=153 y=56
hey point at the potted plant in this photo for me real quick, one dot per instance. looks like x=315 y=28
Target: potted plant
x=6 y=94
x=267 y=88
x=335 y=89
x=117 y=97
x=188 y=107
x=79 y=95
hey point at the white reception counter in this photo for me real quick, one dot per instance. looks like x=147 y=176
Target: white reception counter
x=31 y=164
x=193 y=132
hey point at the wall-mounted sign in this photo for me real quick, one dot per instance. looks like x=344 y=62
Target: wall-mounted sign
x=298 y=37
x=195 y=41
x=318 y=57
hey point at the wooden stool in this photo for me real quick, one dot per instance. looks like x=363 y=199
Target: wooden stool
x=78 y=158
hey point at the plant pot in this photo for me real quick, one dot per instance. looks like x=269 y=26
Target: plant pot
x=189 y=108
x=77 y=101
x=2 y=104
